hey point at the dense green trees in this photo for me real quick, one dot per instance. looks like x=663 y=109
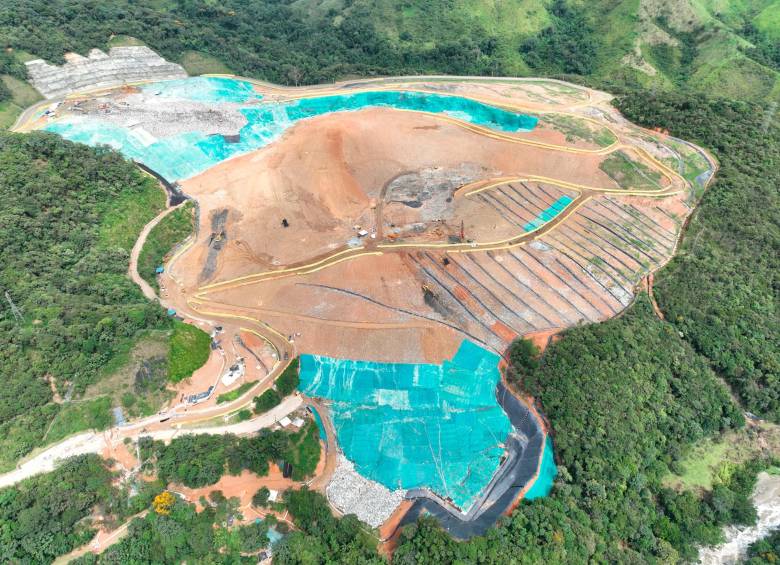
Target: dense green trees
x=42 y=517
x=183 y=535
x=200 y=460
x=260 y=498
x=288 y=380
x=569 y=45
x=523 y=359
x=66 y=235
x=322 y=537
x=722 y=289
x=272 y=40
x=308 y=42
x=266 y=401
x=69 y=216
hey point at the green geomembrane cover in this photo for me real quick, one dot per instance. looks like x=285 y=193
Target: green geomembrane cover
x=551 y=212
x=184 y=155
x=204 y=89
x=407 y=425
x=547 y=473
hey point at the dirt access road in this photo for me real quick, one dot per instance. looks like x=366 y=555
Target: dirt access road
x=135 y=253
x=91 y=442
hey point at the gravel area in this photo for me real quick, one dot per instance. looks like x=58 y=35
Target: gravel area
x=351 y=493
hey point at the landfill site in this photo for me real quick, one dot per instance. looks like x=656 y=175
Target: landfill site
x=395 y=236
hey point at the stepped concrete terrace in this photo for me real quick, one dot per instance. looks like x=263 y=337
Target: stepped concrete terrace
x=120 y=66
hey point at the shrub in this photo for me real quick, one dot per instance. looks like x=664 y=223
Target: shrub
x=266 y=401
x=288 y=380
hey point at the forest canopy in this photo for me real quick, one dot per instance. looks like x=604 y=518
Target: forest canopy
x=69 y=217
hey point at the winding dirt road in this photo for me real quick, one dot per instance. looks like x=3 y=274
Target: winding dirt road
x=132 y=269
x=91 y=442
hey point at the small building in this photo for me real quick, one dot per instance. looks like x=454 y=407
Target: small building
x=298 y=422
x=284 y=422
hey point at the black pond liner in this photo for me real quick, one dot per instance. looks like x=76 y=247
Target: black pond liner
x=175 y=195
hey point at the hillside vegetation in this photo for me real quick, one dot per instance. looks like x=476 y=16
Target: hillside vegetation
x=723 y=287
x=69 y=216
x=727 y=48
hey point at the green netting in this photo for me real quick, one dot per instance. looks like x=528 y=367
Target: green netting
x=546 y=215
x=408 y=426
x=175 y=157
x=204 y=89
x=462 y=108
x=547 y=473
x=184 y=155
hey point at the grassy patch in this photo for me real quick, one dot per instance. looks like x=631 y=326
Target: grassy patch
x=126 y=216
x=22 y=92
x=189 y=350
x=691 y=165
x=575 y=129
x=124 y=41
x=197 y=63
x=304 y=451
x=75 y=417
x=172 y=229
x=234 y=394
x=137 y=377
x=768 y=21
x=712 y=460
x=23 y=56
x=8 y=114
x=628 y=173
x=22 y=96
x=22 y=434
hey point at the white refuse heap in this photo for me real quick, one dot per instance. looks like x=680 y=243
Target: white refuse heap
x=234 y=373
x=352 y=493
x=120 y=66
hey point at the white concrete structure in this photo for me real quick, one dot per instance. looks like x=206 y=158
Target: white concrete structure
x=120 y=66
x=234 y=373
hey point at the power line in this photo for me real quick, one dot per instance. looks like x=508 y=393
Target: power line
x=14 y=309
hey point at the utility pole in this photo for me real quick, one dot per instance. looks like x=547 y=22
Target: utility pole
x=16 y=312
